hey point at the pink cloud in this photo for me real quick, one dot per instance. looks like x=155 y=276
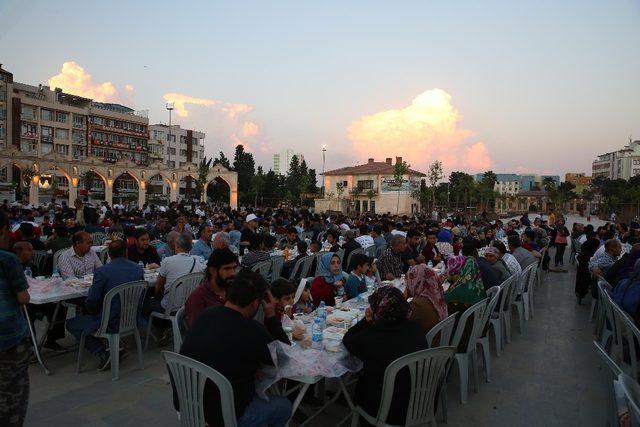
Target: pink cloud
x=75 y=80
x=426 y=130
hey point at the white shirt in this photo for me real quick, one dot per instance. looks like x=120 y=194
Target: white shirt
x=200 y=212
x=365 y=241
x=174 y=267
x=395 y=232
x=344 y=227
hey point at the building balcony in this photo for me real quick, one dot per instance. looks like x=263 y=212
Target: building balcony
x=29 y=117
x=46 y=140
x=30 y=135
x=79 y=126
x=80 y=141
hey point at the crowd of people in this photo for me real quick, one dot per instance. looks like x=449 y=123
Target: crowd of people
x=235 y=312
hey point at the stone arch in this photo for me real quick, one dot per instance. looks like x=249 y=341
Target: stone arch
x=126 y=193
x=229 y=177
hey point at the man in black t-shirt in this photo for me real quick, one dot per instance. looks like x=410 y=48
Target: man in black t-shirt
x=228 y=339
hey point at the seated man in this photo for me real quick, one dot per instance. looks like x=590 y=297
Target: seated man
x=142 y=251
x=528 y=242
x=229 y=340
x=79 y=260
x=391 y=266
x=364 y=238
x=168 y=249
x=212 y=292
x=222 y=240
x=27 y=234
x=524 y=257
x=332 y=242
x=291 y=240
x=120 y=270
x=411 y=255
x=202 y=247
x=171 y=269
x=431 y=251
x=602 y=260
x=256 y=253
x=59 y=240
x=512 y=264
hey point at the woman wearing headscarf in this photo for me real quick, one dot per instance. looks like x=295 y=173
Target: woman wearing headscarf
x=330 y=282
x=385 y=334
x=425 y=288
x=468 y=289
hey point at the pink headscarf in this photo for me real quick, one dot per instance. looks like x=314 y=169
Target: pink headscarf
x=423 y=282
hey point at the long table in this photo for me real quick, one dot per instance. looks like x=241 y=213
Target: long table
x=309 y=366
x=56 y=290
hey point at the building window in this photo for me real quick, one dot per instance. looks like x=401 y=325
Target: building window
x=61 y=181
x=62 y=134
x=62 y=149
x=28 y=113
x=171 y=163
x=46 y=115
x=4 y=175
x=365 y=185
x=183 y=153
x=78 y=121
x=28 y=146
x=29 y=130
x=365 y=206
x=3 y=114
x=61 y=117
x=172 y=151
x=372 y=208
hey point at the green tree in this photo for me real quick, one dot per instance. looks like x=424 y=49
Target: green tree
x=294 y=176
x=462 y=186
x=400 y=169
x=223 y=160
x=434 y=175
x=312 y=188
x=244 y=165
x=340 y=189
x=203 y=173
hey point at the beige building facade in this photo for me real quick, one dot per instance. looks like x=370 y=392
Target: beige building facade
x=370 y=187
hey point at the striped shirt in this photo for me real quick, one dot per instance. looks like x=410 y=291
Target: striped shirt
x=70 y=264
x=512 y=264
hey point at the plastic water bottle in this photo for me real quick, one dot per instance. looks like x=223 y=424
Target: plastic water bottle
x=430 y=264
x=141 y=264
x=361 y=307
x=55 y=274
x=28 y=272
x=316 y=333
x=322 y=310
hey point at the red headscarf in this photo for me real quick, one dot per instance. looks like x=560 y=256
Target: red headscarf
x=423 y=282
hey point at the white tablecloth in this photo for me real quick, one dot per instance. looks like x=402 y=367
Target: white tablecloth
x=47 y=290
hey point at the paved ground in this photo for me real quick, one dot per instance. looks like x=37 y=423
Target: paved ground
x=548 y=376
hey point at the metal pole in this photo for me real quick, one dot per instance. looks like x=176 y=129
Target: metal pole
x=169 y=141
x=324 y=150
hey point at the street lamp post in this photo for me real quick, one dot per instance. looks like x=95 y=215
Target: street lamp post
x=170 y=109
x=324 y=150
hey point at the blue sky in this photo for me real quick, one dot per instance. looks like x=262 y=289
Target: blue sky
x=541 y=85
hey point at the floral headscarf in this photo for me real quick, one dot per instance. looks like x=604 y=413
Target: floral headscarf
x=423 y=282
x=388 y=303
x=455 y=263
x=324 y=268
x=469 y=288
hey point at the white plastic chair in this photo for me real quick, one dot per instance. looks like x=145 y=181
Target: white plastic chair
x=307 y=263
x=606 y=320
x=427 y=369
x=301 y=286
x=129 y=296
x=445 y=329
x=189 y=378
x=178 y=325
x=277 y=262
x=496 y=320
x=628 y=341
x=371 y=251
x=295 y=271
x=40 y=260
x=614 y=371
x=475 y=315
x=56 y=256
x=263 y=268
x=521 y=289
x=528 y=292
x=631 y=391
x=98 y=238
x=541 y=271
x=494 y=296
x=351 y=254
x=178 y=295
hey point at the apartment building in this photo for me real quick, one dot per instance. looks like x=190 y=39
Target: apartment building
x=6 y=88
x=176 y=148
x=621 y=164
x=282 y=160
x=51 y=121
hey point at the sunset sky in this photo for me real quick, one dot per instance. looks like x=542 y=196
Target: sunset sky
x=513 y=86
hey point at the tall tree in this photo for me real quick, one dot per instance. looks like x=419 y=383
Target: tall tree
x=223 y=160
x=312 y=188
x=203 y=173
x=399 y=171
x=244 y=165
x=434 y=175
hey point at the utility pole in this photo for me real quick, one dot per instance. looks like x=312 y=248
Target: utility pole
x=324 y=150
x=170 y=109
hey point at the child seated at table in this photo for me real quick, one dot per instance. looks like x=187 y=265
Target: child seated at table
x=305 y=302
x=370 y=277
x=356 y=283
x=283 y=291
